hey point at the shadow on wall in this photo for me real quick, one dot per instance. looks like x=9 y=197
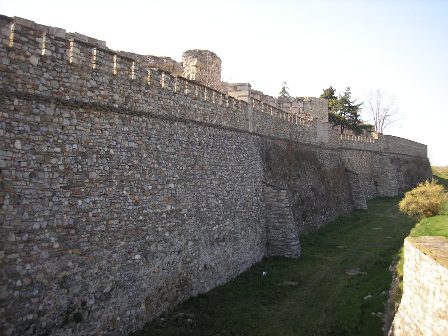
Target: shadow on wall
x=315 y=180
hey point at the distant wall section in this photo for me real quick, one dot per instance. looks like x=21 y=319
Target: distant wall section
x=303 y=107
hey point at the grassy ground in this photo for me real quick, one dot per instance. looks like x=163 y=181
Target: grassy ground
x=431 y=226
x=338 y=287
x=436 y=225
x=441 y=174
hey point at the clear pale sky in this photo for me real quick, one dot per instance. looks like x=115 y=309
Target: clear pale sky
x=398 y=46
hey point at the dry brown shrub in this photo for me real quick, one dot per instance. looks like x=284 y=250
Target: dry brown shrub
x=425 y=200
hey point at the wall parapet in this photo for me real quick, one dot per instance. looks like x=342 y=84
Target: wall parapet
x=81 y=68
x=424 y=306
x=358 y=138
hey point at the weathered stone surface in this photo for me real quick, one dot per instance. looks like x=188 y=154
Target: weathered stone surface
x=147 y=62
x=86 y=39
x=123 y=233
x=304 y=107
x=125 y=190
x=203 y=66
x=315 y=179
x=424 y=306
x=282 y=234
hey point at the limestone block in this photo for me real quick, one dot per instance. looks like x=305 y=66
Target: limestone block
x=424 y=306
x=24 y=22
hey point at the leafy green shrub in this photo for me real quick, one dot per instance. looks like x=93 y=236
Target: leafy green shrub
x=425 y=200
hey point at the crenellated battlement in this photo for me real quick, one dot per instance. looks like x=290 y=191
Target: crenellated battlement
x=48 y=61
x=127 y=188
x=358 y=138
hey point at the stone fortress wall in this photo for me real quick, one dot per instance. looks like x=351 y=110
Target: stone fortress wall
x=127 y=189
x=127 y=81
x=424 y=306
x=304 y=107
x=204 y=67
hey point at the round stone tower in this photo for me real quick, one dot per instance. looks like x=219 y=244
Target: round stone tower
x=203 y=66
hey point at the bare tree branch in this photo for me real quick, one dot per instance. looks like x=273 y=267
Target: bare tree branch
x=382 y=110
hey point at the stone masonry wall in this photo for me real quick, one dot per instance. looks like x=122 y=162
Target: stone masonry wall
x=314 y=178
x=166 y=64
x=384 y=175
x=282 y=234
x=424 y=306
x=204 y=67
x=303 y=107
x=41 y=60
x=125 y=190
x=104 y=218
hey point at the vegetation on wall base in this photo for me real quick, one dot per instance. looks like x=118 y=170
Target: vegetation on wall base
x=339 y=286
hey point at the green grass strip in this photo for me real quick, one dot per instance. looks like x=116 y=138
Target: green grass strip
x=338 y=287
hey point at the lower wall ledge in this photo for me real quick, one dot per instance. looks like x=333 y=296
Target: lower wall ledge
x=424 y=306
